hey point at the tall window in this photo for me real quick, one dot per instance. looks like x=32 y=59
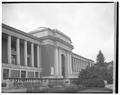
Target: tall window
x=14 y=61
x=23 y=74
x=4 y=48
x=29 y=60
x=13 y=51
x=5 y=73
x=36 y=74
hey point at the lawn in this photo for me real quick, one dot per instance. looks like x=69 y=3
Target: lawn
x=71 y=89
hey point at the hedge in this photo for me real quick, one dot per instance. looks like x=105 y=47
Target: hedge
x=93 y=83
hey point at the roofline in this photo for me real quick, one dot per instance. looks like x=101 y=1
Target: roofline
x=56 y=39
x=59 y=32
x=52 y=30
x=19 y=31
x=43 y=29
x=33 y=37
x=82 y=57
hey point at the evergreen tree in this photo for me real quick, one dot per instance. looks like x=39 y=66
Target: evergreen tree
x=100 y=59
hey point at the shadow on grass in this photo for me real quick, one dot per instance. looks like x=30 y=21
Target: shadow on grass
x=71 y=90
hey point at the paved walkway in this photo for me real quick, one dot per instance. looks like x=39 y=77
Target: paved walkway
x=96 y=91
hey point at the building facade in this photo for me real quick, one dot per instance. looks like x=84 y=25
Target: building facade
x=20 y=54
x=42 y=53
x=79 y=63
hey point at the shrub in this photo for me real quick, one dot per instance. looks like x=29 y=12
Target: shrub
x=93 y=83
x=54 y=83
x=108 y=76
x=75 y=81
x=4 y=84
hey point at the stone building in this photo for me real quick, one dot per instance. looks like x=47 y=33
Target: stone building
x=42 y=53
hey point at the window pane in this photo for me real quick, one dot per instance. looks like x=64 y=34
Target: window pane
x=36 y=74
x=23 y=74
x=5 y=73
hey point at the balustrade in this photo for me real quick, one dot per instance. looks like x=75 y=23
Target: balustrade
x=18 y=83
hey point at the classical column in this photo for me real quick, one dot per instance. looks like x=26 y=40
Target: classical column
x=25 y=52
x=78 y=66
x=75 y=65
x=32 y=54
x=59 y=61
x=38 y=56
x=9 y=49
x=56 y=61
x=18 y=51
x=9 y=73
x=70 y=59
x=67 y=63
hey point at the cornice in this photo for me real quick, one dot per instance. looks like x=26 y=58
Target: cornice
x=51 y=30
x=19 y=31
x=56 y=39
x=82 y=57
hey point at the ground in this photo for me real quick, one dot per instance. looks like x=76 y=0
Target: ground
x=60 y=89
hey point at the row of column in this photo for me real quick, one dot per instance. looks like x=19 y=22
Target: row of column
x=79 y=64
x=58 y=64
x=76 y=65
x=69 y=65
x=25 y=52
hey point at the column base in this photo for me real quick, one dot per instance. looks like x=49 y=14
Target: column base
x=53 y=76
x=58 y=76
x=66 y=77
x=71 y=76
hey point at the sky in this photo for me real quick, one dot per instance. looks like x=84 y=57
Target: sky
x=89 y=25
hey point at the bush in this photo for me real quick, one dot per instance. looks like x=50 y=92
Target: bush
x=75 y=81
x=93 y=83
x=4 y=84
x=108 y=77
x=110 y=81
x=54 y=83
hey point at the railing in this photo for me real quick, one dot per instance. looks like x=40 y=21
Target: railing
x=17 y=83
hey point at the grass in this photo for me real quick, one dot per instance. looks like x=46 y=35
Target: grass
x=71 y=90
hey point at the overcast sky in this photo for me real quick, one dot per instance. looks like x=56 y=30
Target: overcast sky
x=90 y=26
